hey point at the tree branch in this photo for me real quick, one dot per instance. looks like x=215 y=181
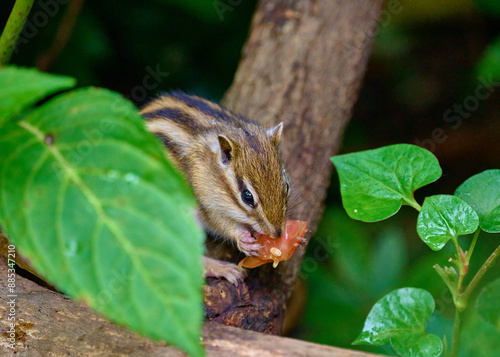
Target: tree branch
x=49 y=324
x=302 y=64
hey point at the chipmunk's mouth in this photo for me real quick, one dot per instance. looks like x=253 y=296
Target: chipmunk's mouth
x=260 y=235
x=254 y=233
x=257 y=234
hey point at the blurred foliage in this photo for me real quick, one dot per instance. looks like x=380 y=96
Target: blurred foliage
x=423 y=64
x=114 y=43
x=422 y=11
x=479 y=339
x=489 y=6
x=489 y=65
x=204 y=9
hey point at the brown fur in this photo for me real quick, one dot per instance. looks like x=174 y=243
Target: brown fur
x=190 y=127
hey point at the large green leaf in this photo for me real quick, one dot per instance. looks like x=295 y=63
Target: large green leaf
x=87 y=195
x=375 y=183
x=445 y=217
x=488 y=303
x=22 y=87
x=400 y=317
x=482 y=192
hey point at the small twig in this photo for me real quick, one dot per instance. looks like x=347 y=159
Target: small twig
x=13 y=28
x=447 y=281
x=473 y=244
x=462 y=267
x=412 y=203
x=455 y=341
x=477 y=278
x=45 y=60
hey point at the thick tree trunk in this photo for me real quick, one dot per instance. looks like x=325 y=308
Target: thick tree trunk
x=302 y=64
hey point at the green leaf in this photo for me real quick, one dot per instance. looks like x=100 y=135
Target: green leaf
x=488 y=303
x=22 y=87
x=445 y=217
x=375 y=183
x=87 y=195
x=482 y=193
x=400 y=317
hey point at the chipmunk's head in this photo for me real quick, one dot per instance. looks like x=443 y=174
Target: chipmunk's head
x=256 y=180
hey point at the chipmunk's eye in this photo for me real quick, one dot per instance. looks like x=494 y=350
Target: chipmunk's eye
x=287 y=189
x=247 y=197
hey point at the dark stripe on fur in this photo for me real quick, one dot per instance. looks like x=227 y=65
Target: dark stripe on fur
x=179 y=117
x=173 y=152
x=227 y=188
x=202 y=106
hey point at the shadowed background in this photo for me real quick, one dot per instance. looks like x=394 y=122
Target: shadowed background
x=425 y=85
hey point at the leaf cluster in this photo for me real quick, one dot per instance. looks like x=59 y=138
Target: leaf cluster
x=374 y=186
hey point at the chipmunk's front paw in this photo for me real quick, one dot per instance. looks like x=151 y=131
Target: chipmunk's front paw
x=248 y=244
x=219 y=269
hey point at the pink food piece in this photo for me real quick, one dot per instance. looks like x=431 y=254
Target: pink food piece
x=275 y=250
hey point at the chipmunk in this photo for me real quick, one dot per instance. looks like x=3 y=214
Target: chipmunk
x=233 y=166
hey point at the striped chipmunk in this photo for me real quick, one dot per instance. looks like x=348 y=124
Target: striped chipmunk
x=233 y=166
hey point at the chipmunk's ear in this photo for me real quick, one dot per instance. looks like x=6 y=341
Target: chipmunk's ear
x=226 y=147
x=275 y=134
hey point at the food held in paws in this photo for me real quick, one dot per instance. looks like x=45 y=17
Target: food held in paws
x=275 y=250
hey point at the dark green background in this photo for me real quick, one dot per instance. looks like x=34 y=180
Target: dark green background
x=426 y=59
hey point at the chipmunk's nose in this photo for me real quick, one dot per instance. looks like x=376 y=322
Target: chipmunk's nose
x=278 y=233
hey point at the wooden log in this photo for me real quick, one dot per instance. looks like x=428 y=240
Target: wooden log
x=48 y=323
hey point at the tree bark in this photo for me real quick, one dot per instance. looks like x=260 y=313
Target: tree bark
x=50 y=324
x=302 y=64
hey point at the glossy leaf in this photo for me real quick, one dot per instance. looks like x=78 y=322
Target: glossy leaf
x=445 y=217
x=375 y=183
x=87 y=195
x=400 y=317
x=488 y=303
x=22 y=87
x=482 y=193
